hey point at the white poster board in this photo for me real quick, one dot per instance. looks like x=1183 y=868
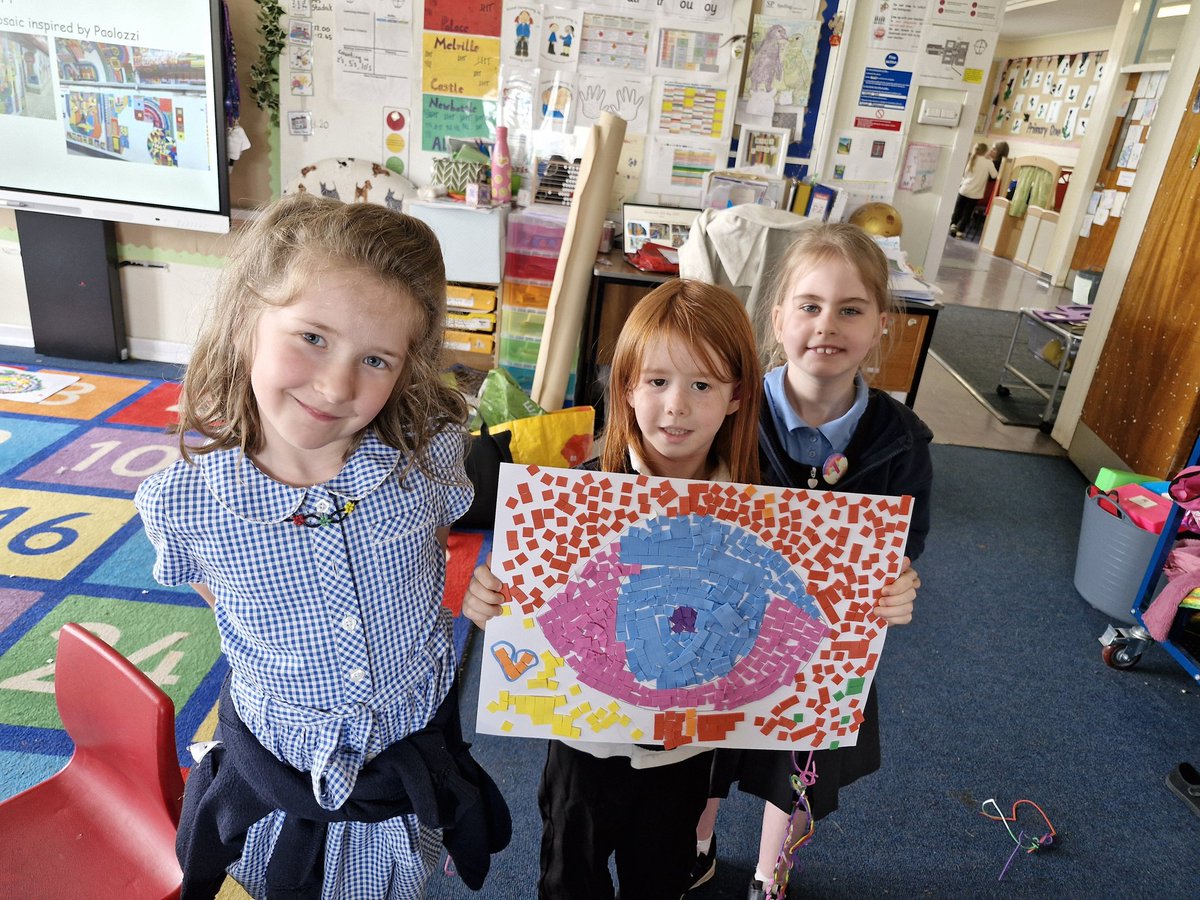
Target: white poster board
x=666 y=611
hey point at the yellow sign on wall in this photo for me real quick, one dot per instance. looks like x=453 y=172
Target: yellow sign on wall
x=461 y=65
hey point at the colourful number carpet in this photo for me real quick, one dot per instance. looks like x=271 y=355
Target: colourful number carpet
x=72 y=549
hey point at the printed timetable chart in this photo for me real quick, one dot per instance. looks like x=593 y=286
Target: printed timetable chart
x=614 y=42
x=689 y=165
x=694 y=109
x=689 y=51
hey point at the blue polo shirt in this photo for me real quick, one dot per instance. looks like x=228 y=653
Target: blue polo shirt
x=804 y=444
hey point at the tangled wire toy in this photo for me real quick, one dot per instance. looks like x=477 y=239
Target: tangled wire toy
x=1026 y=842
x=800 y=826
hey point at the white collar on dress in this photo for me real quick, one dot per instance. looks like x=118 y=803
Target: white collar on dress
x=244 y=490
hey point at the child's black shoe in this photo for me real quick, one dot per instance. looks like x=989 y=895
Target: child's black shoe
x=705 y=866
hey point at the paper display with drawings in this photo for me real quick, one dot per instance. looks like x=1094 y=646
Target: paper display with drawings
x=779 y=70
x=666 y=611
x=667 y=68
x=373 y=51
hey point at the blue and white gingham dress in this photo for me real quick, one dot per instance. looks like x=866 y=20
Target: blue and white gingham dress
x=336 y=636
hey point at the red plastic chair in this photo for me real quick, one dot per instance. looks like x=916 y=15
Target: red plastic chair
x=104 y=827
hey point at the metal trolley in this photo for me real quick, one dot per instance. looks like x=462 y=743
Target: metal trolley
x=1043 y=336
x=1123 y=646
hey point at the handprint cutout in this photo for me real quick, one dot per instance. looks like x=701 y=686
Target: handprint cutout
x=629 y=103
x=592 y=101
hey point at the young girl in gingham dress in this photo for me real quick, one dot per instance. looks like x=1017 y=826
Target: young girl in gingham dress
x=312 y=518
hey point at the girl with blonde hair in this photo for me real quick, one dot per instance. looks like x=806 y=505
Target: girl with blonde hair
x=823 y=428
x=312 y=518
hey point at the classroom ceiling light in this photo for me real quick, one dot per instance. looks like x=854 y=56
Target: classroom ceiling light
x=1014 y=5
x=1178 y=9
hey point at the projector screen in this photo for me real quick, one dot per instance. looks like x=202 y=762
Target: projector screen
x=114 y=109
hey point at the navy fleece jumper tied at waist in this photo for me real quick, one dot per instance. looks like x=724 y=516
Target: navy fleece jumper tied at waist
x=430 y=773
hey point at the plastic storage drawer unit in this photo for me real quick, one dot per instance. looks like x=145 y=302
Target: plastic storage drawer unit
x=462 y=298
x=532 y=233
x=530 y=267
x=523 y=322
x=517 y=350
x=526 y=295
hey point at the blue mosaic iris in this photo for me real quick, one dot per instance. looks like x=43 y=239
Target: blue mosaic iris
x=722 y=572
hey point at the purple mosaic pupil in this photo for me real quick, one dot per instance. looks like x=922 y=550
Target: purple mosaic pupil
x=683 y=619
x=728 y=619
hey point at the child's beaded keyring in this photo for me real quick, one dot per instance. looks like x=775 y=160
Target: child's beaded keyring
x=1026 y=842
x=800 y=825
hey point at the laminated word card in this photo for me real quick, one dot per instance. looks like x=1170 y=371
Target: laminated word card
x=667 y=611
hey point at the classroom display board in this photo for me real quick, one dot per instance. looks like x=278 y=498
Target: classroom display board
x=792 y=46
x=1047 y=99
x=1135 y=112
x=401 y=82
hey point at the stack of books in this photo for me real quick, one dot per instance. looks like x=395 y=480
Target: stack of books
x=903 y=281
x=1073 y=317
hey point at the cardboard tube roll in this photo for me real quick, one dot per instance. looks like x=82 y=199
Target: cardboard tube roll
x=573 y=276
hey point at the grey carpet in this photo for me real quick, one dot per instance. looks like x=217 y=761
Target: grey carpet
x=972 y=344
x=997 y=690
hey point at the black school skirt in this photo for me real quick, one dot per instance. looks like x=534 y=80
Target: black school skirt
x=767 y=773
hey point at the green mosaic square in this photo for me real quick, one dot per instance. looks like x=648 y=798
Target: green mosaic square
x=855 y=685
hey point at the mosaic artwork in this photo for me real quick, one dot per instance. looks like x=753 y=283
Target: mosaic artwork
x=665 y=611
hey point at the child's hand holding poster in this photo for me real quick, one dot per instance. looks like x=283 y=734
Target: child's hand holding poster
x=666 y=611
